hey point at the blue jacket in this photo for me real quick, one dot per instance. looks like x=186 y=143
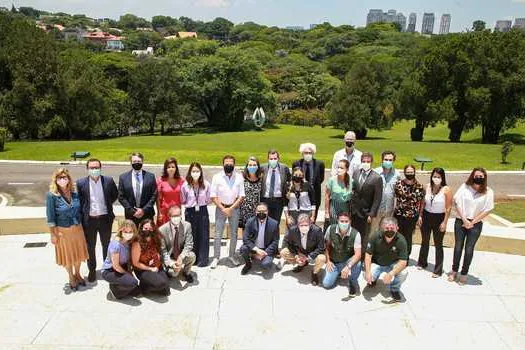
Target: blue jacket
x=271 y=235
x=110 y=196
x=61 y=213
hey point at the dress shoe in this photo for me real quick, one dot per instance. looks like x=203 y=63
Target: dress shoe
x=246 y=268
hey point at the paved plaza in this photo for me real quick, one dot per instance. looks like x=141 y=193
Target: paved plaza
x=224 y=310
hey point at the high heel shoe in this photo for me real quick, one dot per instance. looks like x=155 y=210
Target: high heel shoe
x=80 y=281
x=452 y=276
x=73 y=286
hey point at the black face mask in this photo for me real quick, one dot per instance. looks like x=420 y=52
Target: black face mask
x=297 y=179
x=148 y=233
x=136 y=166
x=410 y=176
x=479 y=180
x=228 y=168
x=261 y=215
x=349 y=144
x=390 y=234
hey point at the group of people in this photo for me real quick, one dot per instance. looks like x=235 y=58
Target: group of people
x=370 y=218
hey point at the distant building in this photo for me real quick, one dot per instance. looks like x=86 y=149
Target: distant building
x=519 y=23
x=428 y=23
x=73 y=34
x=444 y=28
x=503 y=26
x=147 y=52
x=392 y=16
x=111 y=42
x=295 y=28
x=412 y=20
x=182 y=35
x=313 y=25
x=402 y=21
x=375 y=16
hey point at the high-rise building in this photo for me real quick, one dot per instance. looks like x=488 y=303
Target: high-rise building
x=503 y=26
x=412 y=19
x=401 y=20
x=428 y=23
x=390 y=16
x=519 y=23
x=444 y=28
x=375 y=16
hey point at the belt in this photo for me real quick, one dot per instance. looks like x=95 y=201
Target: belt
x=98 y=216
x=226 y=205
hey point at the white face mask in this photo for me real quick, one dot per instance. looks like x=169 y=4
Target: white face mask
x=366 y=166
x=437 y=181
x=308 y=157
x=304 y=229
x=195 y=175
x=62 y=182
x=175 y=220
x=340 y=171
x=127 y=236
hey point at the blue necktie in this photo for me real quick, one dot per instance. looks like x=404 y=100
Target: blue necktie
x=272 y=183
x=138 y=190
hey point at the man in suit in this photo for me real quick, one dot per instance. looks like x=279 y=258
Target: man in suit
x=260 y=239
x=303 y=245
x=313 y=171
x=368 y=191
x=137 y=191
x=177 y=245
x=275 y=184
x=96 y=193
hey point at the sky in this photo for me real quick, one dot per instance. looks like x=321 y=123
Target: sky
x=288 y=12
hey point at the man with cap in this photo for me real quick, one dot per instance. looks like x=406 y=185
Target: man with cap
x=350 y=153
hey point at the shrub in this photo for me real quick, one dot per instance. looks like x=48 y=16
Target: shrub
x=3 y=136
x=302 y=117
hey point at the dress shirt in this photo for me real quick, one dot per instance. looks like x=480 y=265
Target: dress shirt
x=277 y=186
x=227 y=189
x=389 y=182
x=97 y=203
x=189 y=194
x=259 y=243
x=472 y=203
x=304 y=238
x=354 y=158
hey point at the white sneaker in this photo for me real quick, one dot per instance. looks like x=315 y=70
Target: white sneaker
x=280 y=264
x=214 y=263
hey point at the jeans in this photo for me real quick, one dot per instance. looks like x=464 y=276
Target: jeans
x=200 y=229
x=331 y=277
x=121 y=285
x=471 y=236
x=247 y=253
x=395 y=285
x=406 y=228
x=102 y=225
x=431 y=223
x=220 y=221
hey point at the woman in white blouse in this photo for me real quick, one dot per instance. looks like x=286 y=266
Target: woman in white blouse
x=474 y=201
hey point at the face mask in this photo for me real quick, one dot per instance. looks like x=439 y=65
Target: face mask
x=390 y=234
x=479 y=180
x=410 y=177
x=228 y=168
x=261 y=215
x=95 y=172
x=387 y=164
x=273 y=163
x=252 y=169
x=127 y=236
x=366 y=166
x=195 y=175
x=136 y=166
x=340 y=171
x=62 y=182
x=304 y=229
x=308 y=157
x=175 y=220
x=171 y=170
x=437 y=181
x=349 y=144
x=297 y=179
x=343 y=226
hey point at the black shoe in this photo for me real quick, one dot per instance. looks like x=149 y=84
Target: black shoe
x=247 y=267
x=396 y=296
x=188 y=277
x=298 y=268
x=315 y=279
x=373 y=284
x=92 y=277
x=352 y=292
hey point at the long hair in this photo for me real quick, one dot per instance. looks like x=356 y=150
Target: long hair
x=190 y=180
x=347 y=177
x=297 y=169
x=54 y=188
x=141 y=238
x=123 y=225
x=470 y=180
x=440 y=172
x=167 y=162
x=258 y=173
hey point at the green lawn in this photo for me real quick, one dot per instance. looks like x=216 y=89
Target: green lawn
x=210 y=147
x=513 y=211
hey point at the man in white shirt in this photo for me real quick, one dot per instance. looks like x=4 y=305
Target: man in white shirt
x=350 y=153
x=227 y=192
x=275 y=183
x=389 y=175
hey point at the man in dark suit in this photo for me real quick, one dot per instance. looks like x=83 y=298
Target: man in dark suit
x=260 y=239
x=275 y=184
x=137 y=191
x=368 y=190
x=313 y=171
x=97 y=194
x=303 y=245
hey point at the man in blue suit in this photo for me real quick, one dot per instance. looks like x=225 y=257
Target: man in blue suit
x=137 y=191
x=260 y=239
x=97 y=193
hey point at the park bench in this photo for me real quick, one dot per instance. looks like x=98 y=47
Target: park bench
x=423 y=160
x=79 y=154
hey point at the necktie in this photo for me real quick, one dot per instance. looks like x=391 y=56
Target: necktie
x=138 y=190
x=362 y=178
x=176 y=247
x=272 y=183
x=307 y=174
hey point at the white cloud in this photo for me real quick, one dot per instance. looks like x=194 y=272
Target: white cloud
x=213 y=3
x=519 y=1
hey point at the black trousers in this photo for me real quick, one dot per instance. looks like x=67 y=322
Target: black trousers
x=200 y=230
x=431 y=223
x=153 y=282
x=275 y=207
x=102 y=225
x=121 y=284
x=406 y=228
x=363 y=227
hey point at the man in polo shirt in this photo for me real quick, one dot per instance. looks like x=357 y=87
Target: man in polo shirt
x=343 y=254
x=227 y=192
x=350 y=153
x=387 y=254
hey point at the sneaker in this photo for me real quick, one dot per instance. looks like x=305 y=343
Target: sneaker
x=396 y=296
x=315 y=279
x=352 y=292
x=110 y=296
x=298 y=268
x=188 y=277
x=279 y=265
x=246 y=268
x=373 y=284
x=214 y=263
x=92 y=276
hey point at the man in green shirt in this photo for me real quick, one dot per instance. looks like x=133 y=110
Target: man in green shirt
x=387 y=253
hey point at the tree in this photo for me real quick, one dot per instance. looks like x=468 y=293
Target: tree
x=130 y=21
x=218 y=29
x=479 y=26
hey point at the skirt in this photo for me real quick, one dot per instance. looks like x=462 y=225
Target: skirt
x=71 y=248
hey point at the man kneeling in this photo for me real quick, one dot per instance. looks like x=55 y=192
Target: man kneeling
x=177 y=245
x=343 y=254
x=387 y=253
x=260 y=239
x=303 y=245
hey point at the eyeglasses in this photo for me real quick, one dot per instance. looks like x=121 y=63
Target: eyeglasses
x=62 y=177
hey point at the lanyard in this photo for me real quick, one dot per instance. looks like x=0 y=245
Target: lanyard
x=196 y=194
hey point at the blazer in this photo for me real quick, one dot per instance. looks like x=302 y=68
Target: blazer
x=271 y=235
x=185 y=242
x=286 y=177
x=126 y=194
x=314 y=243
x=366 y=199
x=317 y=176
x=110 y=196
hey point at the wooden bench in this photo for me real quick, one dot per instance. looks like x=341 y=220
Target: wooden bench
x=423 y=160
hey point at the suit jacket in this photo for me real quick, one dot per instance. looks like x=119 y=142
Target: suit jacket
x=110 y=196
x=126 y=194
x=185 y=241
x=286 y=177
x=314 y=242
x=271 y=234
x=366 y=198
x=317 y=176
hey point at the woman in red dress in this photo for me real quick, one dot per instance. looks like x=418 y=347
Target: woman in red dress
x=169 y=190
